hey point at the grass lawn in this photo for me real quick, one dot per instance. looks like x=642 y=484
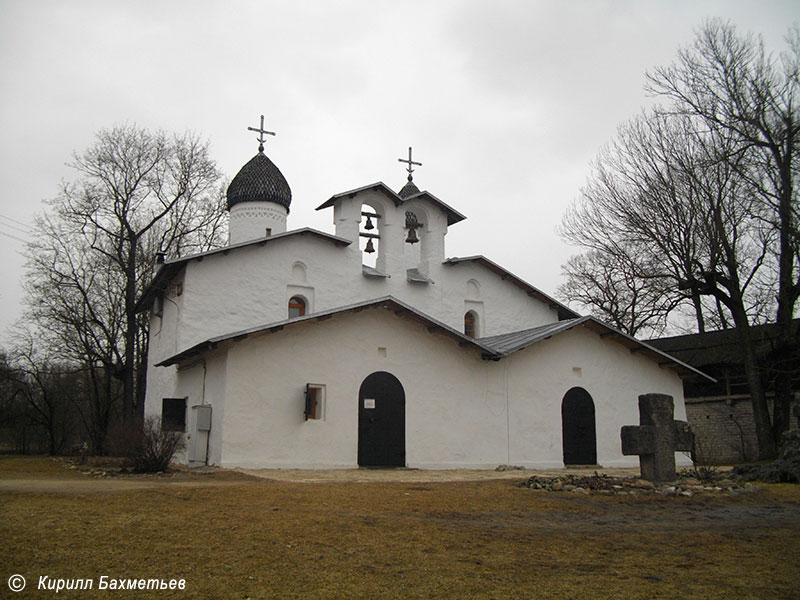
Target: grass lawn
x=249 y=538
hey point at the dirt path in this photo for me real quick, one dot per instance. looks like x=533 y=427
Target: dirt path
x=73 y=483
x=418 y=475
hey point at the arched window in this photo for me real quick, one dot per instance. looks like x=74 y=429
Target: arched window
x=470 y=324
x=297 y=307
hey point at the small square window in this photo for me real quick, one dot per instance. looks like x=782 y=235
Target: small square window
x=173 y=414
x=315 y=402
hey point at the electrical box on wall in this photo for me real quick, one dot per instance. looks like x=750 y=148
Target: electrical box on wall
x=203 y=415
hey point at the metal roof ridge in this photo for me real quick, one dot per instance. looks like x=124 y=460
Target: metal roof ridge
x=259 y=240
x=378 y=184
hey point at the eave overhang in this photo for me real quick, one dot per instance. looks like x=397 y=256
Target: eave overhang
x=453 y=216
x=506 y=344
x=389 y=303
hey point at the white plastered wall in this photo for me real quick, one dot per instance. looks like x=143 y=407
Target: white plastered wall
x=540 y=375
x=445 y=416
x=251 y=286
x=461 y=411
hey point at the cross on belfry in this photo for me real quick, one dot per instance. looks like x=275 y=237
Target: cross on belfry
x=410 y=162
x=657 y=438
x=261 y=131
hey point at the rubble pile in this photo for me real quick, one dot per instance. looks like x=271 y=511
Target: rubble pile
x=632 y=486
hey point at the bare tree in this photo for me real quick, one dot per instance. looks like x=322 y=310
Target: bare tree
x=733 y=87
x=135 y=193
x=616 y=289
x=704 y=189
x=667 y=199
x=43 y=392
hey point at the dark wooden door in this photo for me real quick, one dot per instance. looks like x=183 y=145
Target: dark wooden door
x=578 y=428
x=381 y=422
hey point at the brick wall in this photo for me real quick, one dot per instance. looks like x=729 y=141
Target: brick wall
x=724 y=430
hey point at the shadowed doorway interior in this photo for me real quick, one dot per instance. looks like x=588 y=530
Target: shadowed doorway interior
x=578 y=428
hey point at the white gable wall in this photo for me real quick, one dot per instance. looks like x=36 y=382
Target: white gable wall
x=540 y=375
x=267 y=376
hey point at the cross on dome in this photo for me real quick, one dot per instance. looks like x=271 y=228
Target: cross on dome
x=261 y=131
x=410 y=162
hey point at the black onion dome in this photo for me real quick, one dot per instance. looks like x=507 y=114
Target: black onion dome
x=408 y=190
x=259 y=181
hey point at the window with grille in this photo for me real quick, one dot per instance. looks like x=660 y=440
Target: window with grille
x=470 y=324
x=297 y=307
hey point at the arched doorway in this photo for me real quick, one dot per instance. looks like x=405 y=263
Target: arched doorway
x=381 y=422
x=578 y=428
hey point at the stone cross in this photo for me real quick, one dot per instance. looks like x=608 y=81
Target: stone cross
x=656 y=438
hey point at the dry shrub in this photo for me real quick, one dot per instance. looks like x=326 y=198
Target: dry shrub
x=156 y=447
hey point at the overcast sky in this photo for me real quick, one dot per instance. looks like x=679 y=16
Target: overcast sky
x=506 y=103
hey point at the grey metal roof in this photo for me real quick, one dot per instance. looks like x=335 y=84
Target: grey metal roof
x=721 y=347
x=507 y=343
x=491 y=348
x=564 y=312
x=259 y=181
x=453 y=216
x=385 y=302
x=378 y=186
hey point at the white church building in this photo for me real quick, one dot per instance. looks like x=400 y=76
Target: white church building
x=285 y=350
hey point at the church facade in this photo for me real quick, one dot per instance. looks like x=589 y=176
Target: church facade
x=285 y=350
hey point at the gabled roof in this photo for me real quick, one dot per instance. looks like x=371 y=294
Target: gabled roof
x=508 y=343
x=386 y=302
x=170 y=268
x=564 y=312
x=453 y=216
x=378 y=186
x=722 y=347
x=491 y=348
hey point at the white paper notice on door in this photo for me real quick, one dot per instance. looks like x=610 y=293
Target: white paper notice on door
x=369 y=402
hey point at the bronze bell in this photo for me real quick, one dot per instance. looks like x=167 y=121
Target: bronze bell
x=369 y=224
x=412 y=236
x=369 y=249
